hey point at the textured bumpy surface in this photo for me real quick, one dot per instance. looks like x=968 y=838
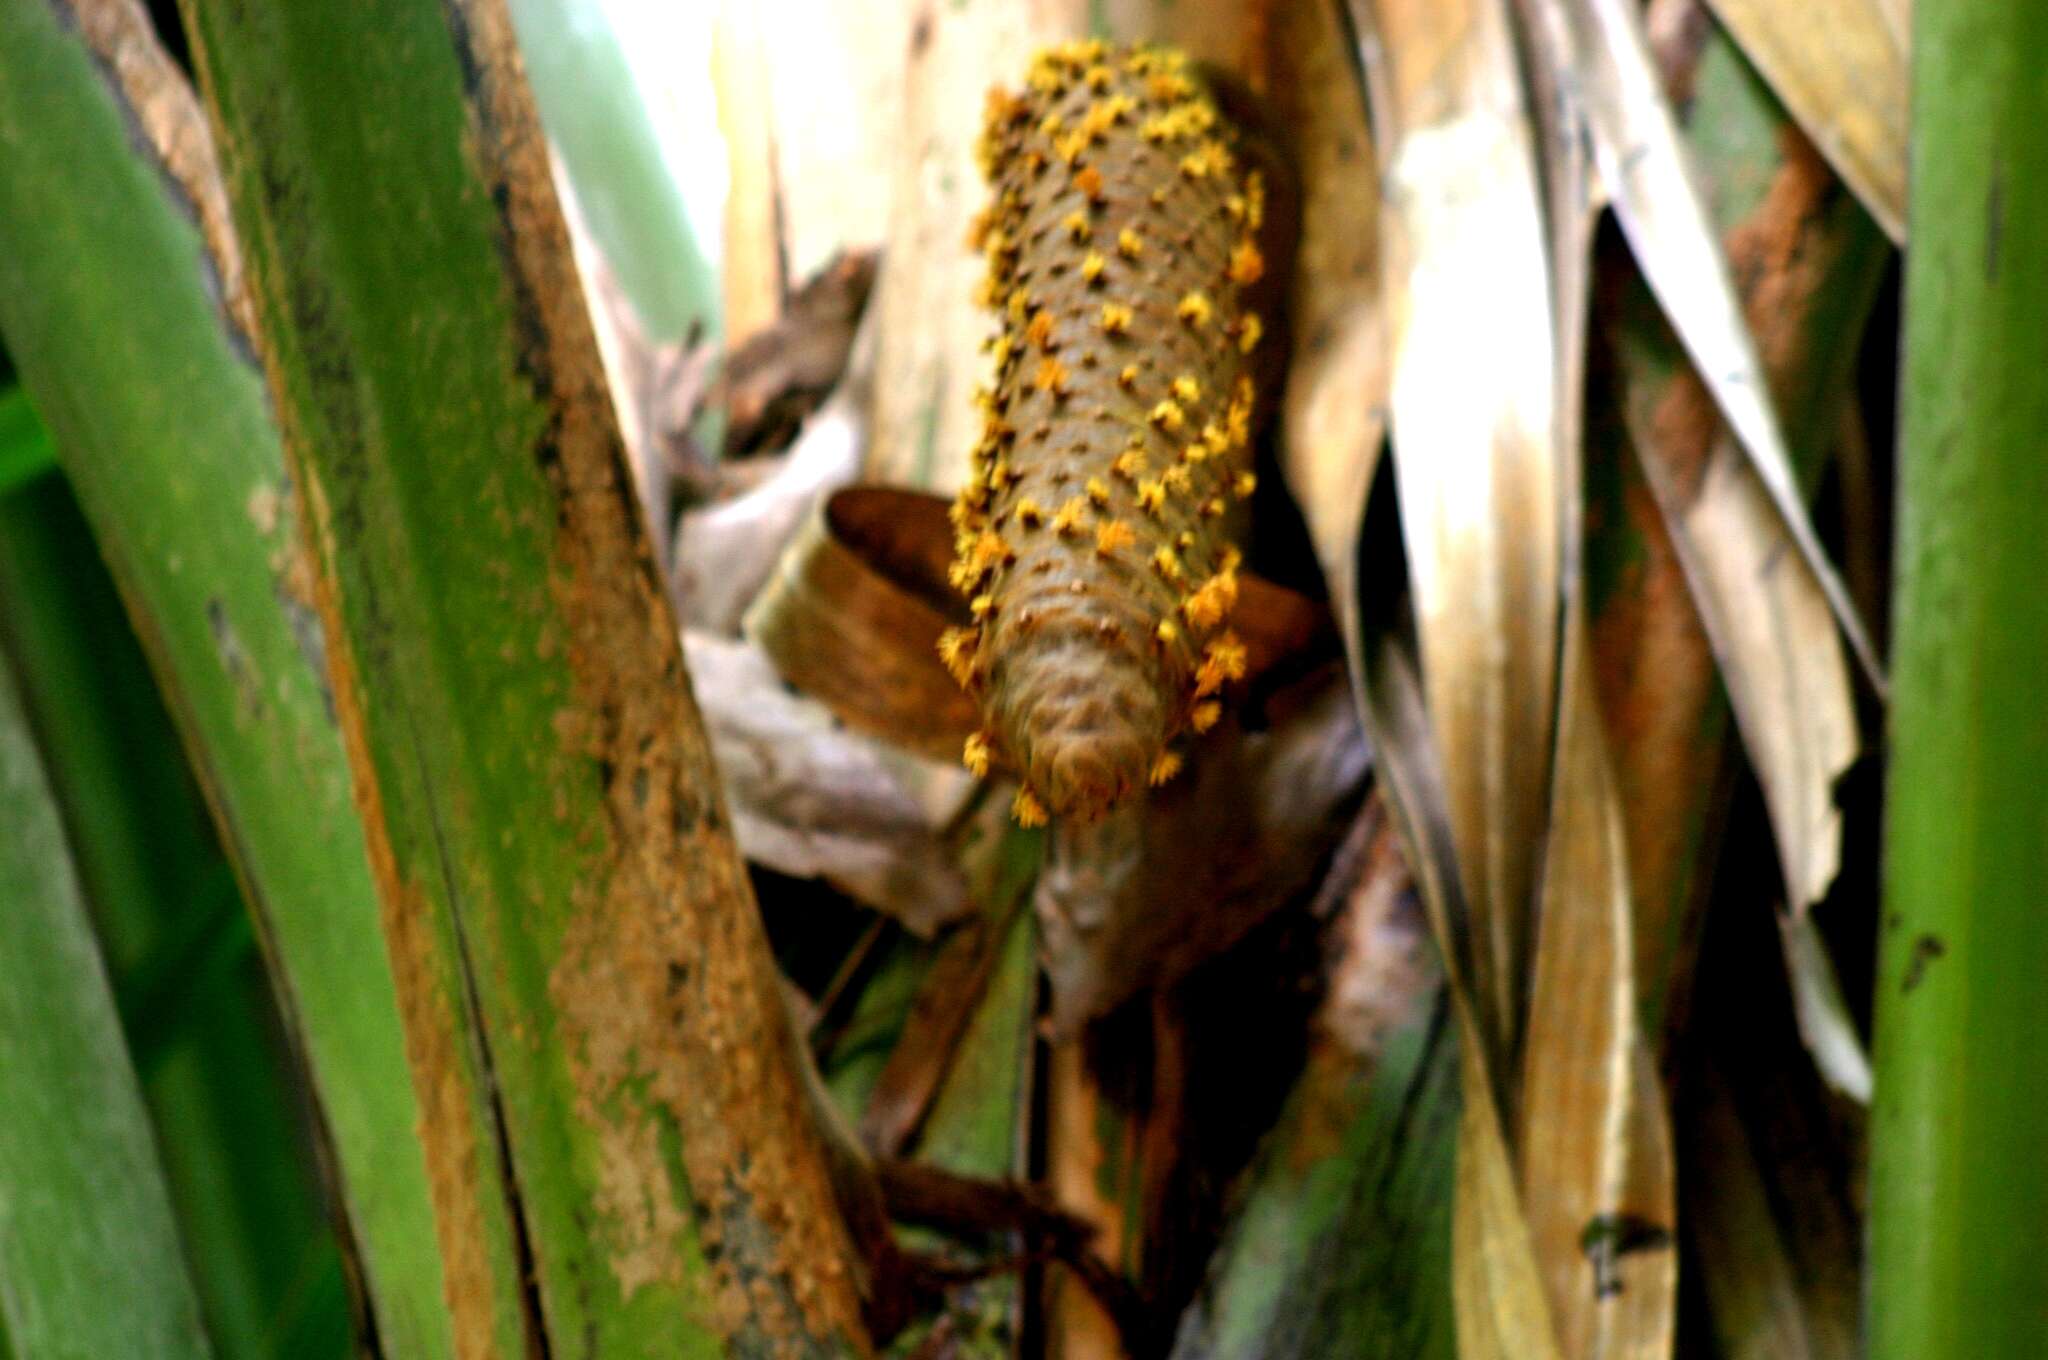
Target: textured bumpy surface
x=1128 y=255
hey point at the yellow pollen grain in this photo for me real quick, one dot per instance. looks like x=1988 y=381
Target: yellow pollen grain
x=975 y=755
x=1166 y=415
x=1194 y=309
x=1051 y=377
x=1151 y=496
x=1213 y=507
x=1116 y=320
x=1209 y=604
x=1076 y=223
x=1246 y=264
x=1249 y=329
x=1129 y=464
x=1113 y=536
x=1163 y=769
x=956 y=650
x=1089 y=181
x=1129 y=244
x=1026 y=808
x=1178 y=480
x=1098 y=490
x=1187 y=389
x=1128 y=378
x=1245 y=484
x=1071 y=518
x=1166 y=631
x=1039 y=332
x=981 y=605
x=1092 y=265
x=1166 y=562
x=1028 y=513
x=1205 y=715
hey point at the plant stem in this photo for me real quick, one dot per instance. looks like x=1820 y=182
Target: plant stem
x=1959 y=1185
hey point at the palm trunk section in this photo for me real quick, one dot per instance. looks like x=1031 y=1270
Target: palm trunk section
x=616 y=1131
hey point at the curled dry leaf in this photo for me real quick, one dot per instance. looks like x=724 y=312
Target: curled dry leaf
x=810 y=799
x=725 y=553
x=1648 y=172
x=1809 y=263
x=860 y=600
x=1335 y=401
x=1593 y=1140
x=775 y=379
x=854 y=614
x=1138 y=898
x=1841 y=71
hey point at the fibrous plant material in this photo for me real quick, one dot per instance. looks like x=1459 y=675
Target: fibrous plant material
x=1130 y=253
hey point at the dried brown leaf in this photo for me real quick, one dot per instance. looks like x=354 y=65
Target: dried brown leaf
x=751 y=251
x=1648 y=172
x=1338 y=381
x=1840 y=69
x=854 y=613
x=1594 y=1137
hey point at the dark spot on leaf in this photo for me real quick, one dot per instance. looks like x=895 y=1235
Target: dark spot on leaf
x=1609 y=1237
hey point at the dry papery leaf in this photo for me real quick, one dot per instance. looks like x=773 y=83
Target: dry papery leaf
x=1647 y=170
x=1779 y=654
x=1464 y=238
x=1338 y=382
x=813 y=800
x=1840 y=68
x=1532 y=1274
x=751 y=259
x=726 y=552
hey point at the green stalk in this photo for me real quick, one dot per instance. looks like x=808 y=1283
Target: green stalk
x=616 y=1125
x=110 y=306
x=187 y=979
x=1958 y=1184
x=89 y=1255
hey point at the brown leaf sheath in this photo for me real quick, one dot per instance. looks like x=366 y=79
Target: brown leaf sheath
x=1129 y=251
